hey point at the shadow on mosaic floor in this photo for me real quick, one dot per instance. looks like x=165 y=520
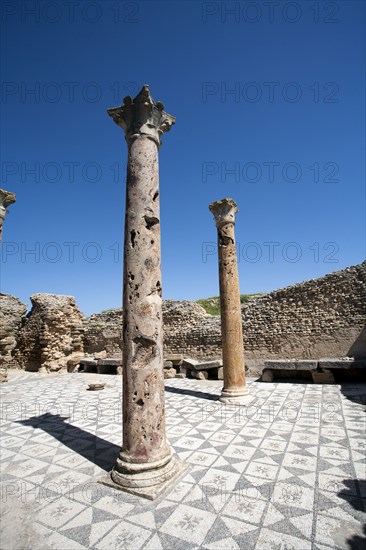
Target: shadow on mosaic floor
x=356 y=542
x=99 y=451
x=192 y=393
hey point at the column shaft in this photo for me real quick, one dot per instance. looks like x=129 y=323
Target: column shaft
x=145 y=465
x=231 y=319
x=234 y=390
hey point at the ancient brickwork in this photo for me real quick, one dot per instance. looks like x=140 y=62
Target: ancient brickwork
x=318 y=318
x=12 y=314
x=103 y=331
x=322 y=317
x=51 y=335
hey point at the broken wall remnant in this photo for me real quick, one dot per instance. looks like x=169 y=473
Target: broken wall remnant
x=12 y=314
x=51 y=335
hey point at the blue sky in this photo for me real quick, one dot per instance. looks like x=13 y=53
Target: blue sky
x=269 y=101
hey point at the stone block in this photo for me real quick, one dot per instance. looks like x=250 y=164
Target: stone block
x=110 y=362
x=280 y=364
x=209 y=365
x=3 y=376
x=342 y=363
x=175 y=358
x=306 y=364
x=170 y=373
x=291 y=364
x=322 y=377
x=267 y=375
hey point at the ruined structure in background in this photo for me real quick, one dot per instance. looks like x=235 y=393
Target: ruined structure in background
x=234 y=390
x=52 y=335
x=145 y=464
x=319 y=318
x=12 y=314
x=6 y=199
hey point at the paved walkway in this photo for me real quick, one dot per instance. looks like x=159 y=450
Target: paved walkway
x=286 y=473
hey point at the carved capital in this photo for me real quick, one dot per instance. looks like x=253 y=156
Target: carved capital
x=224 y=211
x=6 y=199
x=142 y=116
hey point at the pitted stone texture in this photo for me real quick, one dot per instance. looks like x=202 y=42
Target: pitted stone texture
x=12 y=314
x=231 y=321
x=146 y=458
x=52 y=333
x=142 y=117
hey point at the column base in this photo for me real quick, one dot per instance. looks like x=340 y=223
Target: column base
x=235 y=397
x=149 y=481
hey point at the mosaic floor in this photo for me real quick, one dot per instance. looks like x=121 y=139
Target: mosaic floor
x=287 y=472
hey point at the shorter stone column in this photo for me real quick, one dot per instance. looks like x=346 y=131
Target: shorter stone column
x=6 y=199
x=234 y=391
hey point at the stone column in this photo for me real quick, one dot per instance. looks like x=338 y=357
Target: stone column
x=234 y=390
x=145 y=465
x=6 y=199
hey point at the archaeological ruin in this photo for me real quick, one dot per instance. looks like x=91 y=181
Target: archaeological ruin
x=319 y=318
x=6 y=199
x=145 y=465
x=234 y=390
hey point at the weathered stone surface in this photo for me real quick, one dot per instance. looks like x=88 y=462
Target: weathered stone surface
x=12 y=315
x=267 y=375
x=234 y=390
x=51 y=335
x=175 y=358
x=146 y=459
x=89 y=362
x=96 y=386
x=342 y=363
x=6 y=199
x=170 y=373
x=3 y=376
x=112 y=362
x=207 y=365
x=288 y=364
x=325 y=377
x=190 y=363
x=103 y=334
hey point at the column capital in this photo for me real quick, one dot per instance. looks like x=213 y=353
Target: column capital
x=224 y=211
x=6 y=199
x=142 y=116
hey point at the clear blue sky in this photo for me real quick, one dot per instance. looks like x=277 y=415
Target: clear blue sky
x=292 y=130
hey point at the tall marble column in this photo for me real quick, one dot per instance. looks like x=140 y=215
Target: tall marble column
x=145 y=465
x=234 y=390
x=6 y=199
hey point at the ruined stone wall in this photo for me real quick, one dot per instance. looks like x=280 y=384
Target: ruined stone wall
x=51 y=335
x=12 y=314
x=322 y=317
x=188 y=329
x=103 y=332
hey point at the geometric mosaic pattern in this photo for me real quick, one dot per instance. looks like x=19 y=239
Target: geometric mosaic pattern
x=285 y=473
